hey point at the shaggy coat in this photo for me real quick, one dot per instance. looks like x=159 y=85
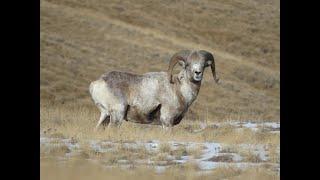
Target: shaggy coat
x=151 y=98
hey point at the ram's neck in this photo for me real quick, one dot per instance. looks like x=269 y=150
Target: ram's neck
x=188 y=91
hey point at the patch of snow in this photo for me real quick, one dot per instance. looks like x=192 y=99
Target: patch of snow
x=210 y=150
x=274 y=125
x=207 y=165
x=236 y=157
x=250 y=125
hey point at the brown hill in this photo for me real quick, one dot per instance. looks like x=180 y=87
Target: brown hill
x=80 y=40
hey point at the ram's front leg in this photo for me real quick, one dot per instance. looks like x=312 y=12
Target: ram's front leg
x=166 y=121
x=167 y=128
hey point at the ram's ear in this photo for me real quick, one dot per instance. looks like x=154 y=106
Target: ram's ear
x=208 y=63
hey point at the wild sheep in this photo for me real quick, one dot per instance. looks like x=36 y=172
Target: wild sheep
x=152 y=98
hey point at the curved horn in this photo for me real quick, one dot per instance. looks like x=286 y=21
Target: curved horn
x=209 y=57
x=181 y=55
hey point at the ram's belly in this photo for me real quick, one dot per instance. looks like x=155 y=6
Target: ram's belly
x=145 y=116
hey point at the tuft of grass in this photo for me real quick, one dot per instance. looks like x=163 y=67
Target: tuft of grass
x=222 y=158
x=57 y=135
x=196 y=152
x=274 y=154
x=163 y=156
x=180 y=151
x=249 y=156
x=54 y=150
x=229 y=149
x=165 y=147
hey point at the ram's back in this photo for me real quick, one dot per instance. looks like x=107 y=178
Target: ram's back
x=137 y=89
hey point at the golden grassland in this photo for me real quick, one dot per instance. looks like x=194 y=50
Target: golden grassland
x=78 y=123
x=66 y=121
x=80 y=40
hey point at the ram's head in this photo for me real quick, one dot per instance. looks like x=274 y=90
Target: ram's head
x=194 y=63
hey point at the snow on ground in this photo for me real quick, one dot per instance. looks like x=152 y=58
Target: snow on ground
x=271 y=126
x=208 y=160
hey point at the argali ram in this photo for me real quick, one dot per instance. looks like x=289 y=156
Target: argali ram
x=151 y=98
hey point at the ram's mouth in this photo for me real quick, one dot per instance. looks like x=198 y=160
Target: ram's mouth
x=197 y=78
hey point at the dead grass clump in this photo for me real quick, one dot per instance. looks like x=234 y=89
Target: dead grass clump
x=195 y=152
x=94 y=154
x=229 y=149
x=165 y=147
x=180 y=151
x=132 y=153
x=274 y=154
x=222 y=158
x=246 y=135
x=54 y=150
x=57 y=135
x=163 y=156
x=219 y=133
x=249 y=156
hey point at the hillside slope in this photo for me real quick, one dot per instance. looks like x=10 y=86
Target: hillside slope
x=80 y=40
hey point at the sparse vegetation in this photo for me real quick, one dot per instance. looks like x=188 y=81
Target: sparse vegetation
x=80 y=40
x=229 y=149
x=222 y=158
x=82 y=169
x=55 y=150
x=81 y=127
x=250 y=156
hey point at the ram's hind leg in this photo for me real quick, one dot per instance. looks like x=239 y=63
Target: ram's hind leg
x=104 y=117
x=118 y=115
x=104 y=120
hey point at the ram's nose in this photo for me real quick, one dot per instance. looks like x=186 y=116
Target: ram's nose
x=198 y=72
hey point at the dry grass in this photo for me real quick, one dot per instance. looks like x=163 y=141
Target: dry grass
x=78 y=123
x=274 y=154
x=80 y=40
x=83 y=170
x=256 y=173
x=250 y=156
x=165 y=148
x=54 y=150
x=229 y=149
